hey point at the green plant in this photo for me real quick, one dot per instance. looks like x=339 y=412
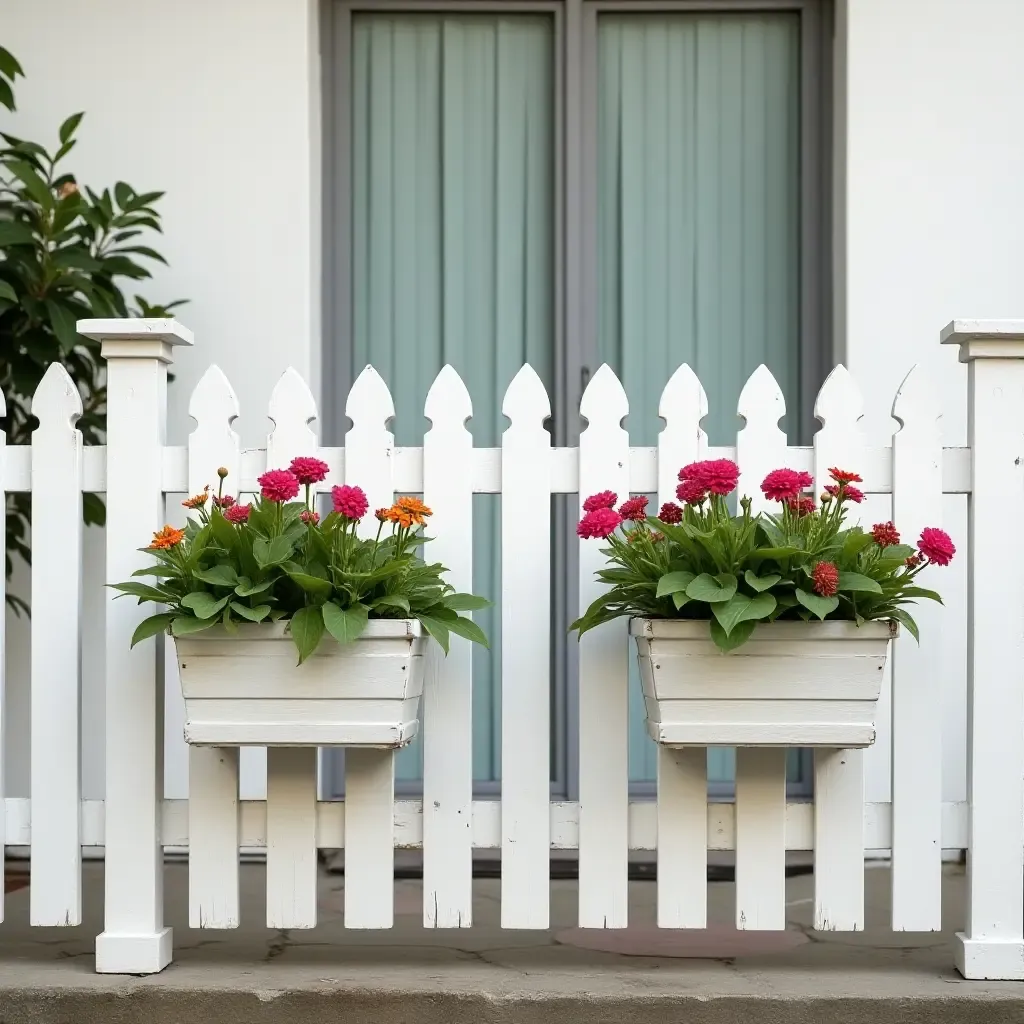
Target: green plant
x=702 y=562
x=64 y=251
x=275 y=560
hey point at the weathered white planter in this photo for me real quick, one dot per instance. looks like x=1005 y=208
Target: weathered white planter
x=792 y=684
x=245 y=688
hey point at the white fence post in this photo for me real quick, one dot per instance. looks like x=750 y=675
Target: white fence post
x=134 y=940
x=992 y=946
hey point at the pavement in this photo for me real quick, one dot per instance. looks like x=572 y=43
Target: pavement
x=484 y=975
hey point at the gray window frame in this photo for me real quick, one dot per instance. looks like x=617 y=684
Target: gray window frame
x=575 y=23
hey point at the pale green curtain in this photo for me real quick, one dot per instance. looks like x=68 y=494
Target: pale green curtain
x=699 y=226
x=453 y=243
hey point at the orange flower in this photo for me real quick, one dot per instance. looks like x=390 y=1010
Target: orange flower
x=168 y=537
x=414 y=507
x=199 y=500
x=397 y=514
x=382 y=514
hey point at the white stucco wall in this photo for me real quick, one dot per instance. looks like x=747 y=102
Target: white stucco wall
x=217 y=103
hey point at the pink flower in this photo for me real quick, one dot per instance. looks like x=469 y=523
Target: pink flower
x=670 y=513
x=843 y=492
x=719 y=476
x=634 y=508
x=279 y=485
x=308 y=470
x=783 y=484
x=936 y=545
x=599 y=522
x=801 y=506
x=349 y=501
x=309 y=517
x=603 y=499
x=225 y=502
x=237 y=513
x=826 y=579
x=691 y=492
x=853 y=494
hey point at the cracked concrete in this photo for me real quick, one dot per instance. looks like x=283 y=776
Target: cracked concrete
x=483 y=975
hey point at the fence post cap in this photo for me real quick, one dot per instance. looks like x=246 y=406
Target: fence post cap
x=985 y=339
x=136 y=337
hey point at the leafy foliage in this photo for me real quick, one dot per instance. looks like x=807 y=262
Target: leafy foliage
x=276 y=561
x=736 y=571
x=64 y=251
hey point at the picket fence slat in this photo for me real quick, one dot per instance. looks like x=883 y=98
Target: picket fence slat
x=917 y=668
x=760 y=774
x=682 y=776
x=448 y=681
x=55 y=897
x=525 y=654
x=213 y=773
x=291 y=774
x=603 y=678
x=838 y=774
x=369 y=774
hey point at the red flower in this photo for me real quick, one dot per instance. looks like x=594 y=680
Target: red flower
x=801 y=506
x=913 y=561
x=784 y=484
x=349 y=501
x=599 y=522
x=634 y=508
x=886 y=535
x=843 y=492
x=310 y=517
x=603 y=499
x=238 y=513
x=826 y=579
x=691 y=492
x=279 y=485
x=719 y=476
x=936 y=546
x=853 y=494
x=841 y=476
x=309 y=470
x=670 y=513
x=225 y=502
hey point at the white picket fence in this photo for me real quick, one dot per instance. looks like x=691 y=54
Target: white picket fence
x=136 y=469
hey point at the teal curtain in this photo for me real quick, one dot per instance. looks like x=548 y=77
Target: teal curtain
x=698 y=222
x=453 y=244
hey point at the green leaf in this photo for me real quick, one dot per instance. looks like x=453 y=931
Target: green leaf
x=345 y=624
x=902 y=615
x=469 y=629
x=679 y=599
x=855 y=541
x=122 y=193
x=313 y=585
x=151 y=626
x=272 y=552
x=931 y=595
x=7 y=293
x=204 y=605
x=392 y=601
x=674 y=583
x=727 y=642
x=897 y=553
x=9 y=66
x=185 y=624
x=466 y=602
x=247 y=589
x=143 y=592
x=34 y=184
x=817 y=605
x=14 y=233
x=65 y=324
x=307 y=627
x=437 y=629
x=775 y=554
x=217 y=575
x=6 y=95
x=760 y=583
x=67 y=129
x=712 y=588
x=257 y=614
x=740 y=608
x=859 y=582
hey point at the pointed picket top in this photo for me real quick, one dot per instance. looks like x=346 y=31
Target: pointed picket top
x=292 y=409
x=369 y=400
x=760 y=442
x=526 y=398
x=213 y=398
x=839 y=400
x=761 y=401
x=57 y=400
x=683 y=405
x=915 y=403
x=682 y=397
x=604 y=398
x=448 y=399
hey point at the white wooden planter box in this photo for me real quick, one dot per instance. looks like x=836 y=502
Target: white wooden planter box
x=792 y=684
x=245 y=688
